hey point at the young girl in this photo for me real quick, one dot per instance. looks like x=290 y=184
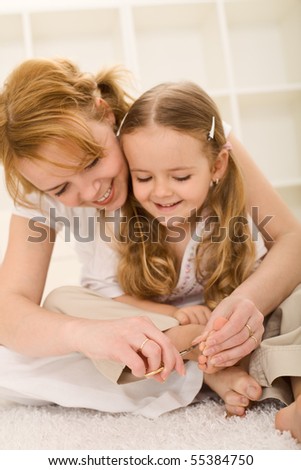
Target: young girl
x=187 y=238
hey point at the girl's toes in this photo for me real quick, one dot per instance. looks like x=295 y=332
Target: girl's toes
x=202 y=359
x=233 y=398
x=235 y=411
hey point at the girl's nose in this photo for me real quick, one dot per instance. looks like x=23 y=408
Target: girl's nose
x=161 y=189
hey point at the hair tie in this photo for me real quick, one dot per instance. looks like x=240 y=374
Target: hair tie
x=227 y=146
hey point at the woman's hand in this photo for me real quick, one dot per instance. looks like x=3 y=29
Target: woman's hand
x=236 y=338
x=135 y=342
x=196 y=314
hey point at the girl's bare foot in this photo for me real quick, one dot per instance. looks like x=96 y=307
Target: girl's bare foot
x=182 y=336
x=289 y=419
x=236 y=387
x=204 y=361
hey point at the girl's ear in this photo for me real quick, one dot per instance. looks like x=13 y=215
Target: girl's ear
x=220 y=165
x=101 y=103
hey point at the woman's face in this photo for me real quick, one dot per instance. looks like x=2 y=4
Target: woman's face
x=102 y=184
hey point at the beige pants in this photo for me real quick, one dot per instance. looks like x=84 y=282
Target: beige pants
x=84 y=303
x=277 y=358
x=279 y=355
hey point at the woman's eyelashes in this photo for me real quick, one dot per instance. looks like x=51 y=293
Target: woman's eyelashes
x=61 y=191
x=92 y=164
x=88 y=167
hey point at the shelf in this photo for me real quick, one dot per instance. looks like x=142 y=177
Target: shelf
x=271 y=126
x=177 y=42
x=12 y=48
x=224 y=105
x=264 y=37
x=91 y=38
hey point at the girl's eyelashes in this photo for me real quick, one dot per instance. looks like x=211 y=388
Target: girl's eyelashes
x=143 y=180
x=182 y=178
x=148 y=178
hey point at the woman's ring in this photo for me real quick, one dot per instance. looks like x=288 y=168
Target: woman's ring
x=255 y=339
x=251 y=332
x=143 y=344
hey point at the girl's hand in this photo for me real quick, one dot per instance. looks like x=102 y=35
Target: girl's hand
x=237 y=338
x=196 y=314
x=135 y=342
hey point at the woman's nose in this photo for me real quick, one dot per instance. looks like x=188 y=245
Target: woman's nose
x=88 y=190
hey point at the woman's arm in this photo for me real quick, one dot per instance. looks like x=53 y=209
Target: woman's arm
x=34 y=331
x=279 y=273
x=275 y=278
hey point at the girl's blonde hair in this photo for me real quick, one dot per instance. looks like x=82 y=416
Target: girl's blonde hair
x=49 y=101
x=148 y=267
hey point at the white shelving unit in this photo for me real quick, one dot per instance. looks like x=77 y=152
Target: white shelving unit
x=245 y=53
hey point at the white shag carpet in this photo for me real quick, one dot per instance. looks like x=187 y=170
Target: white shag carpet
x=199 y=426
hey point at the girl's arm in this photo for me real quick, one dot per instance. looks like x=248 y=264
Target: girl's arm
x=275 y=278
x=34 y=331
x=147 y=305
x=192 y=314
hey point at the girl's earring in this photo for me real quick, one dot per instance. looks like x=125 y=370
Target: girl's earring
x=214 y=182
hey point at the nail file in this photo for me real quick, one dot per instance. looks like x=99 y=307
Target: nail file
x=182 y=353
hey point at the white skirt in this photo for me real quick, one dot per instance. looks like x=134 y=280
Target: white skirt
x=73 y=381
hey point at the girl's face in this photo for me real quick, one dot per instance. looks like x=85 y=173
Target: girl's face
x=170 y=173
x=102 y=184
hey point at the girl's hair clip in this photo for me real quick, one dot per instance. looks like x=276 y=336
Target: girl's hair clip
x=212 y=130
x=121 y=124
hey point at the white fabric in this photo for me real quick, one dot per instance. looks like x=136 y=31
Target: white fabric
x=78 y=225
x=73 y=381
